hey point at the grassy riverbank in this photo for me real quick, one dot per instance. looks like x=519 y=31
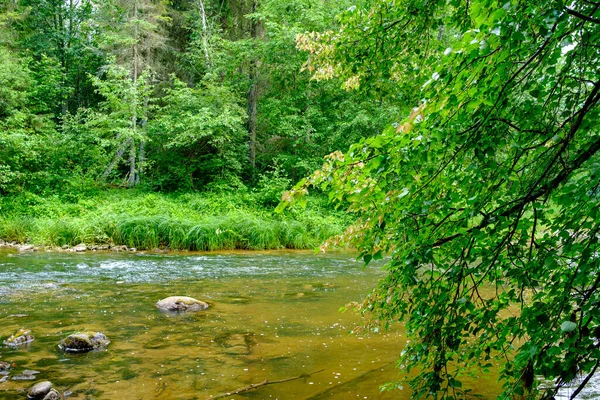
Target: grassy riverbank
x=207 y=221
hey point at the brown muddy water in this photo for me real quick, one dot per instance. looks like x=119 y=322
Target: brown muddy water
x=273 y=316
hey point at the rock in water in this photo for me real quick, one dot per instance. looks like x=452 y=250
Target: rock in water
x=83 y=342
x=39 y=390
x=80 y=247
x=181 y=303
x=52 y=395
x=20 y=338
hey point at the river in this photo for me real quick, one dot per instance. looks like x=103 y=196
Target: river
x=274 y=316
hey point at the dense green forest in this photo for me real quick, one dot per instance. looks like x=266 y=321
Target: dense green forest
x=172 y=96
x=180 y=97
x=461 y=139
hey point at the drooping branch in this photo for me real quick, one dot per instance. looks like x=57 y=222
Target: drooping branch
x=543 y=190
x=584 y=17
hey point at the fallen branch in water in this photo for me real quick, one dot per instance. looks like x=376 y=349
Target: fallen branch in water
x=329 y=391
x=266 y=382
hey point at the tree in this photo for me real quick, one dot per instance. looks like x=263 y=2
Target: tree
x=197 y=137
x=25 y=136
x=487 y=195
x=131 y=31
x=61 y=41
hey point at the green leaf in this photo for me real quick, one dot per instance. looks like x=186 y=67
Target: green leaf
x=568 y=326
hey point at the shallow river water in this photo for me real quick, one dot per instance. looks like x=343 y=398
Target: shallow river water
x=273 y=316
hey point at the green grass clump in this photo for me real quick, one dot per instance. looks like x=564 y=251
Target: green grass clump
x=196 y=222
x=15 y=229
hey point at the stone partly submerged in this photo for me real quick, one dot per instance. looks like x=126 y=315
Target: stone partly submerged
x=39 y=390
x=22 y=337
x=83 y=342
x=181 y=303
x=52 y=395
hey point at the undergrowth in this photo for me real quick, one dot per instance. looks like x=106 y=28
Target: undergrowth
x=207 y=221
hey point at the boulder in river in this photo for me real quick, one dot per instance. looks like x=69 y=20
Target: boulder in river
x=23 y=336
x=83 y=342
x=39 y=390
x=181 y=303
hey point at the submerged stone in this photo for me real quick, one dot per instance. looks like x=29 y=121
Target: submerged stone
x=181 y=303
x=83 y=342
x=30 y=372
x=236 y=344
x=52 y=395
x=22 y=377
x=23 y=336
x=39 y=390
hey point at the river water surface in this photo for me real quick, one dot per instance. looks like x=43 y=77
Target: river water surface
x=273 y=316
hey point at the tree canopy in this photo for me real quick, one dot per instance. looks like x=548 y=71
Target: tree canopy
x=486 y=195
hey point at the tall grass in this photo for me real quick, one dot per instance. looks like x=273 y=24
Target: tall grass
x=147 y=221
x=15 y=229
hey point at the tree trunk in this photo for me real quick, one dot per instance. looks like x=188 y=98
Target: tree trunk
x=142 y=152
x=252 y=115
x=141 y=159
x=133 y=151
x=253 y=95
x=205 y=34
x=132 y=171
x=118 y=155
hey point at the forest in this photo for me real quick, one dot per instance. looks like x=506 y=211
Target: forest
x=457 y=140
x=180 y=101
x=170 y=96
x=164 y=98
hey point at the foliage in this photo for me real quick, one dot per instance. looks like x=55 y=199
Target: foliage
x=23 y=134
x=129 y=92
x=486 y=195
x=203 y=126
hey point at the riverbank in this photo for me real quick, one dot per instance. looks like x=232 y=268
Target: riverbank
x=128 y=220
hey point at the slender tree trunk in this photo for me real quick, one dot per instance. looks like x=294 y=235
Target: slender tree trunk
x=142 y=152
x=141 y=160
x=253 y=95
x=62 y=47
x=205 y=33
x=118 y=155
x=252 y=114
x=133 y=151
x=132 y=157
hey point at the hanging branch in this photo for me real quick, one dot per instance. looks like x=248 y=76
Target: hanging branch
x=266 y=382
